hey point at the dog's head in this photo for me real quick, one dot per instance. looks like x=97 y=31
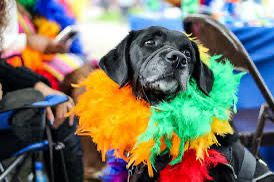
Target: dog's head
x=158 y=63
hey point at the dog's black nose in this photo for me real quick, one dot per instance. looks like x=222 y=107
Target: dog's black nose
x=176 y=58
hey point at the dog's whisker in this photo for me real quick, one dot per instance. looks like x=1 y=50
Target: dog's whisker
x=177 y=64
x=143 y=90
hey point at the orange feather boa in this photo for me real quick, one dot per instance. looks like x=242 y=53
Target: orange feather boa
x=115 y=124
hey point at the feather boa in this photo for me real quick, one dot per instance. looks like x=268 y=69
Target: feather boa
x=116 y=119
x=54 y=11
x=46 y=27
x=28 y=4
x=97 y=122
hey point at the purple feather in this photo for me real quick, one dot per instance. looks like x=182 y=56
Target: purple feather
x=115 y=170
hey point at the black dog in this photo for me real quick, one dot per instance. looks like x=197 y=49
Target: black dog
x=158 y=63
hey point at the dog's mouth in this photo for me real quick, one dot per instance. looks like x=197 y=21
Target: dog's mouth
x=165 y=84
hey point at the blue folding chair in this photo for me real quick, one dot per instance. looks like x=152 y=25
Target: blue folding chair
x=21 y=155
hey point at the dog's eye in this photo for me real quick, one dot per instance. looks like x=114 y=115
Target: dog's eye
x=150 y=43
x=187 y=53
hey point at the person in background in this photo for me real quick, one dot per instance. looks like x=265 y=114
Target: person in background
x=37 y=45
x=125 y=6
x=105 y=4
x=12 y=41
x=42 y=20
x=12 y=79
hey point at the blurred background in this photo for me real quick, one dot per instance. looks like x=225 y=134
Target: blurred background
x=102 y=24
x=114 y=18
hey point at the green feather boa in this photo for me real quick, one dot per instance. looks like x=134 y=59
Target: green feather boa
x=191 y=113
x=28 y=4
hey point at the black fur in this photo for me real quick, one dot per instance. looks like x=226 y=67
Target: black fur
x=115 y=63
x=156 y=75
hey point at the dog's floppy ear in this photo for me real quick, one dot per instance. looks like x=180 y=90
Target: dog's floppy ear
x=115 y=63
x=201 y=73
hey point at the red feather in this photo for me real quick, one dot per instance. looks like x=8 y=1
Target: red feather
x=192 y=170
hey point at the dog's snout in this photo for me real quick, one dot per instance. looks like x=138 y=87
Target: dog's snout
x=176 y=58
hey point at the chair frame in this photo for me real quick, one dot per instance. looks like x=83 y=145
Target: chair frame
x=17 y=163
x=35 y=150
x=266 y=110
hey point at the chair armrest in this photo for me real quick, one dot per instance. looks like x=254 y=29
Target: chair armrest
x=50 y=101
x=4 y=120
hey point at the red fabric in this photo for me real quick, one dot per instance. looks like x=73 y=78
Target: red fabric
x=53 y=81
x=192 y=170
